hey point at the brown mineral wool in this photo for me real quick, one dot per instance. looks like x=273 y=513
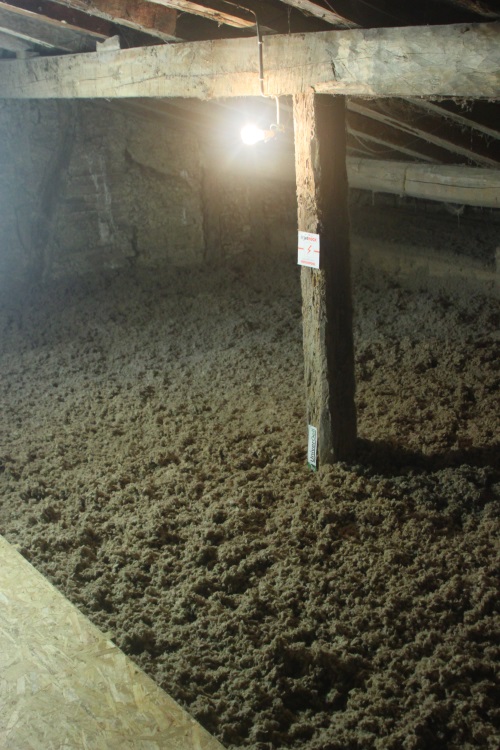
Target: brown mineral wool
x=153 y=468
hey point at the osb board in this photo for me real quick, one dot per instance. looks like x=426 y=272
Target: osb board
x=65 y=686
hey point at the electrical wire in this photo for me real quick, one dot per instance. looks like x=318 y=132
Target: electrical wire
x=260 y=45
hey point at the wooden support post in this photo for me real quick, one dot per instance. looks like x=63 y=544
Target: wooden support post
x=320 y=163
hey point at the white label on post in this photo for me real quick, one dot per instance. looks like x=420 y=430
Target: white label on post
x=308 y=250
x=312 y=446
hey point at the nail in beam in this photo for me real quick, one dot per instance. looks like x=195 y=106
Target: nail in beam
x=320 y=164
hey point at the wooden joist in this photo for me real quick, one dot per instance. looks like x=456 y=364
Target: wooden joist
x=451 y=184
x=459 y=60
x=322 y=205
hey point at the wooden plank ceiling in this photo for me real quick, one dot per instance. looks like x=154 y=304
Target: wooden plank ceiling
x=441 y=132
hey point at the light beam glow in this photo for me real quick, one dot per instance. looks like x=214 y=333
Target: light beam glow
x=251 y=134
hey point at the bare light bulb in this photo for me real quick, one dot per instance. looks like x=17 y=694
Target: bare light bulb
x=251 y=134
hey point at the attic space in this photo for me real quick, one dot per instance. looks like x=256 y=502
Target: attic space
x=163 y=358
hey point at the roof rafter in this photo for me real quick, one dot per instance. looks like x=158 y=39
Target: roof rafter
x=451 y=111
x=480 y=7
x=65 y=15
x=210 y=12
x=318 y=11
x=409 y=119
x=139 y=15
x=373 y=132
x=38 y=30
x=14 y=43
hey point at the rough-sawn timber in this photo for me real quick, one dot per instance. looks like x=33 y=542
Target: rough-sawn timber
x=466 y=186
x=322 y=208
x=460 y=60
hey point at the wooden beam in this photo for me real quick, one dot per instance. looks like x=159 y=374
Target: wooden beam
x=66 y=16
x=469 y=117
x=480 y=7
x=135 y=14
x=213 y=14
x=359 y=145
x=377 y=147
x=328 y=15
x=435 y=130
x=392 y=137
x=462 y=60
x=322 y=200
x=14 y=43
x=451 y=184
x=39 y=30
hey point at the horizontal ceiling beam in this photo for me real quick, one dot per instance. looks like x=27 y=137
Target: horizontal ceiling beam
x=459 y=60
x=467 y=186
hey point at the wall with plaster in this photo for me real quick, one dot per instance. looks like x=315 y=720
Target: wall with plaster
x=118 y=190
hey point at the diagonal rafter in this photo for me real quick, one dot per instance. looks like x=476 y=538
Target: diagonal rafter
x=210 y=12
x=428 y=127
x=366 y=130
x=64 y=15
x=15 y=43
x=36 y=30
x=480 y=7
x=318 y=11
x=139 y=15
x=483 y=121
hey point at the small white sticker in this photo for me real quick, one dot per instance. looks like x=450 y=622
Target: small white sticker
x=312 y=446
x=308 y=250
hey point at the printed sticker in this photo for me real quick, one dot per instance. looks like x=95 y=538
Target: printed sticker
x=308 y=250
x=312 y=447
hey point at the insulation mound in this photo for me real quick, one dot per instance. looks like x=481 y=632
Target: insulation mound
x=152 y=466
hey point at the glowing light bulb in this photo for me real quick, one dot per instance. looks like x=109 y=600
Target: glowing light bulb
x=251 y=134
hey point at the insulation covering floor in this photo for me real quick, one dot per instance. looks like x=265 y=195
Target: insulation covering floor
x=152 y=466
x=65 y=685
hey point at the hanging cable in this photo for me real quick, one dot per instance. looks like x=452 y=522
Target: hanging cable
x=260 y=46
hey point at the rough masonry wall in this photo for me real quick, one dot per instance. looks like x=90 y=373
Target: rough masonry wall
x=249 y=201
x=89 y=185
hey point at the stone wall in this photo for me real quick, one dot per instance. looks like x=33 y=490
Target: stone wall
x=90 y=185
